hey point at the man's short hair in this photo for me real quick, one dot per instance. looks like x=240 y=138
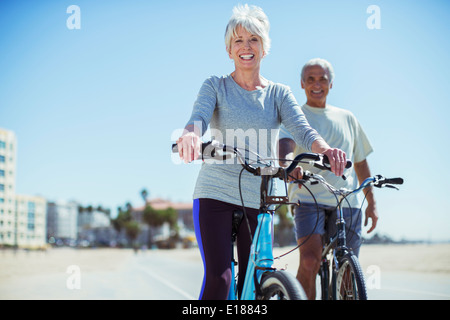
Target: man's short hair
x=322 y=63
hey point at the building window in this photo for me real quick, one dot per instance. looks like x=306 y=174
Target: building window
x=2 y=159
x=2 y=144
x=2 y=187
x=2 y=173
x=31 y=207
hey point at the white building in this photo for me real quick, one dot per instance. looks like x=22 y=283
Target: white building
x=7 y=187
x=62 y=221
x=22 y=218
x=30 y=230
x=90 y=218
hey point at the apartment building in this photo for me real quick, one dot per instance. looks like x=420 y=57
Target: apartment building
x=7 y=187
x=22 y=218
x=30 y=222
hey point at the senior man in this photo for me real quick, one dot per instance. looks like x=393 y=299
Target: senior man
x=341 y=129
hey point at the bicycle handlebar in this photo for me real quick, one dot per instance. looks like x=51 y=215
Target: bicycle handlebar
x=209 y=152
x=392 y=181
x=320 y=161
x=376 y=181
x=204 y=145
x=379 y=181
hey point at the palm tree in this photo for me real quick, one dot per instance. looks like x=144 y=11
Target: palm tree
x=144 y=194
x=124 y=221
x=153 y=217
x=156 y=218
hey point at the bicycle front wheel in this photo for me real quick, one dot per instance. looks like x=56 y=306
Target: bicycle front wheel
x=350 y=283
x=280 y=285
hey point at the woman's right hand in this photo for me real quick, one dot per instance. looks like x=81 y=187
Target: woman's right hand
x=189 y=146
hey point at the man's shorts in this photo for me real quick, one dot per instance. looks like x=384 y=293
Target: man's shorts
x=308 y=220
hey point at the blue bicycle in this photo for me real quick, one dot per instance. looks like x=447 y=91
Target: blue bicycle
x=262 y=280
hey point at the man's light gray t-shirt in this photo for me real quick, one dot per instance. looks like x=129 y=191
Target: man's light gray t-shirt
x=244 y=118
x=340 y=129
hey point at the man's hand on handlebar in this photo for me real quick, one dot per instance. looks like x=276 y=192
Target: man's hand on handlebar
x=297 y=174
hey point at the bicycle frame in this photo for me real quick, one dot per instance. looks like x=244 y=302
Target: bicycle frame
x=261 y=255
x=338 y=246
x=260 y=260
x=261 y=251
x=339 y=239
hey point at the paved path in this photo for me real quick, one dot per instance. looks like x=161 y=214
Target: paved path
x=168 y=275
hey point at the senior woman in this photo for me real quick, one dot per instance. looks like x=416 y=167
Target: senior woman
x=242 y=101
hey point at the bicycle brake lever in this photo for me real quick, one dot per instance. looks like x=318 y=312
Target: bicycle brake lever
x=390 y=186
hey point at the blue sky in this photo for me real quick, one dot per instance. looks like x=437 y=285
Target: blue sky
x=94 y=109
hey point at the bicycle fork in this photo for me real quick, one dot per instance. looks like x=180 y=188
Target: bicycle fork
x=341 y=241
x=236 y=222
x=325 y=278
x=261 y=256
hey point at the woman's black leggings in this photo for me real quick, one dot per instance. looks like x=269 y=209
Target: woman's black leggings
x=213 y=226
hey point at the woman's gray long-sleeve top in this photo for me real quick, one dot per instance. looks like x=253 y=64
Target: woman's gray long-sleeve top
x=248 y=119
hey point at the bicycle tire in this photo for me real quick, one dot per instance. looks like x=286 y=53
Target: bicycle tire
x=349 y=281
x=281 y=285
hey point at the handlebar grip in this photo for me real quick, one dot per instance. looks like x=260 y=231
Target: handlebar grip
x=175 y=147
x=393 y=180
x=322 y=161
x=299 y=157
x=326 y=161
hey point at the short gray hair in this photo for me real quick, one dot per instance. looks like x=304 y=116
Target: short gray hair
x=251 y=18
x=322 y=63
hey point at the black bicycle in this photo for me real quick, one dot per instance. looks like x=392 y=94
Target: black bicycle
x=347 y=278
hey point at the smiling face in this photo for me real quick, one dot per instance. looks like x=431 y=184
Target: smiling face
x=316 y=82
x=246 y=49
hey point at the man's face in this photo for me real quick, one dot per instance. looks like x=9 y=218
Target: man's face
x=316 y=82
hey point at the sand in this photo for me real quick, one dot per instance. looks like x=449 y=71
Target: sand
x=433 y=258
x=423 y=258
